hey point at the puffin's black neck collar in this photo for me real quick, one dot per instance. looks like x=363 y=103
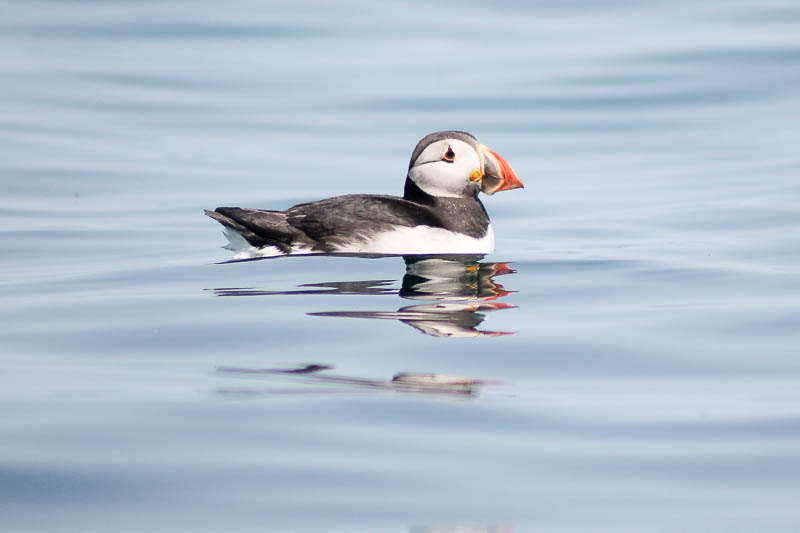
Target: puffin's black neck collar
x=413 y=193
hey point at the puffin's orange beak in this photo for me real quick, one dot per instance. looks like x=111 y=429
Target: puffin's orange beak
x=497 y=173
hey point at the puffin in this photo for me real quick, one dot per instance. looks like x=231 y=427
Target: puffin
x=439 y=212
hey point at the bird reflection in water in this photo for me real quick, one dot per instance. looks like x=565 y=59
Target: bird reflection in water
x=315 y=374
x=459 y=290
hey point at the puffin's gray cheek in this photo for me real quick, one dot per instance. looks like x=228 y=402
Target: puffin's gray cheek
x=471 y=189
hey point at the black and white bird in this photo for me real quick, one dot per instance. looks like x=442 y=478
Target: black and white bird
x=439 y=213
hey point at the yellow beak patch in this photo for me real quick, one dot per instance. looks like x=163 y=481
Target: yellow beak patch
x=476 y=175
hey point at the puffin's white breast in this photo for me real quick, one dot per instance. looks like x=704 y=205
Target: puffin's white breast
x=399 y=241
x=422 y=240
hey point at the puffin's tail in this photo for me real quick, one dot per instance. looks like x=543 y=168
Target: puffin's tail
x=258 y=228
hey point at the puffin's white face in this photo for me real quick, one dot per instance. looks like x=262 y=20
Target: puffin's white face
x=456 y=169
x=444 y=167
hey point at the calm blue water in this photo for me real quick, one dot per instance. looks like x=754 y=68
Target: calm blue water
x=649 y=271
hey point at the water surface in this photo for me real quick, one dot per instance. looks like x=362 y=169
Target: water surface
x=638 y=368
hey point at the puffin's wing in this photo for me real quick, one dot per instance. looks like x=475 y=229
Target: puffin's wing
x=325 y=225
x=356 y=216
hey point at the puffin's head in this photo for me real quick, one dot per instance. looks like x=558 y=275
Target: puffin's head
x=454 y=164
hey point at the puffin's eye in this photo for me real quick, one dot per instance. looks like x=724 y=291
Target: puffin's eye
x=449 y=155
